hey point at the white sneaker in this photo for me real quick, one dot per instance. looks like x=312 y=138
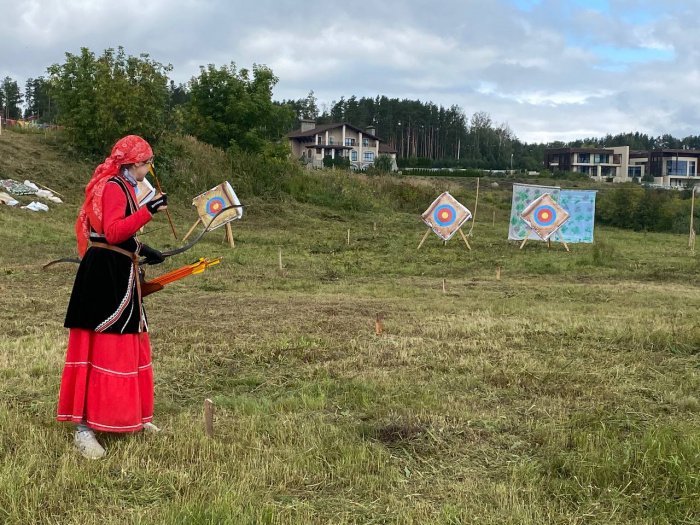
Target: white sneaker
x=87 y=444
x=150 y=428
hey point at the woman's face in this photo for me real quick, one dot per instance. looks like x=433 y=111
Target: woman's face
x=140 y=169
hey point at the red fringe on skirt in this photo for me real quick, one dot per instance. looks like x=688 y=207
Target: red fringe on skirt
x=107 y=381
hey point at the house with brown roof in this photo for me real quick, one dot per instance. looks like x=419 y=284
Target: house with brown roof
x=361 y=147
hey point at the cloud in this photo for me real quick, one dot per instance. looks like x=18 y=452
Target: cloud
x=551 y=69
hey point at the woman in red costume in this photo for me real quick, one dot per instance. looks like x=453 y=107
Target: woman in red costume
x=107 y=382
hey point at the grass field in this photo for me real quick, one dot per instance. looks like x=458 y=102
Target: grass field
x=567 y=392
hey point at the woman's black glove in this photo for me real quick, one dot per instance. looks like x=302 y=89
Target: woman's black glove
x=155 y=204
x=152 y=256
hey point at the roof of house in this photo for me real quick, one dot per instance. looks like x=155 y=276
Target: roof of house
x=325 y=127
x=578 y=150
x=385 y=148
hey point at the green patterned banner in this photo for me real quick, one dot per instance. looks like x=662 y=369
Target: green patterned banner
x=523 y=195
x=580 y=204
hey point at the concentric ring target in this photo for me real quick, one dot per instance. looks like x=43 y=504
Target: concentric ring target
x=445 y=215
x=544 y=215
x=215 y=205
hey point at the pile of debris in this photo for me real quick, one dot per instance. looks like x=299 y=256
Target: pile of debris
x=10 y=187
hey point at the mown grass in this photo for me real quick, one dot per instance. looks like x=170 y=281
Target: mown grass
x=566 y=392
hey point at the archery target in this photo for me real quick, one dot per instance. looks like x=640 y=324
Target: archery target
x=544 y=216
x=215 y=205
x=211 y=202
x=445 y=216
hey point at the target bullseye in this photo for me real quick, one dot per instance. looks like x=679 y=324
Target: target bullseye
x=445 y=215
x=545 y=215
x=215 y=205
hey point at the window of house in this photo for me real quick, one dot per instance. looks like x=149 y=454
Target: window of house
x=365 y=142
x=634 y=171
x=330 y=140
x=601 y=158
x=318 y=139
x=691 y=168
x=318 y=151
x=584 y=158
x=369 y=156
x=353 y=156
x=349 y=142
x=676 y=167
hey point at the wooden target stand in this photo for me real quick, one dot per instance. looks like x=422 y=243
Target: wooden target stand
x=549 y=240
x=228 y=236
x=425 y=236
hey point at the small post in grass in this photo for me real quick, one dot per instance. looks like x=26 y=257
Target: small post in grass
x=493 y=220
x=379 y=324
x=209 y=417
x=279 y=259
x=444 y=287
x=374 y=226
x=348 y=236
x=498 y=273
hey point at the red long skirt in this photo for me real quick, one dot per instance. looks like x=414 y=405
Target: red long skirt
x=107 y=381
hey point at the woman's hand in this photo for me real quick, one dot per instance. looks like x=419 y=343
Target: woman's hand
x=158 y=203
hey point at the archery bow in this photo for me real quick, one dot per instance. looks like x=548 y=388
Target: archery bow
x=167 y=253
x=185 y=247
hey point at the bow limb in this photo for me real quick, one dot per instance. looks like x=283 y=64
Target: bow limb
x=61 y=260
x=185 y=247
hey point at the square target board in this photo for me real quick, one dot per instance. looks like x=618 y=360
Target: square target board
x=445 y=216
x=544 y=216
x=212 y=201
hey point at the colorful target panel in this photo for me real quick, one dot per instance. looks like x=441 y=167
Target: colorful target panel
x=544 y=216
x=445 y=216
x=212 y=201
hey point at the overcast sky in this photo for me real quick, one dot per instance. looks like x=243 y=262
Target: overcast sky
x=550 y=69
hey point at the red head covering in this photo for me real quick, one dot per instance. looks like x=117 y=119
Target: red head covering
x=127 y=150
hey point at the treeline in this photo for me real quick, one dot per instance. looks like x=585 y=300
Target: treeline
x=99 y=98
x=636 y=141
x=631 y=206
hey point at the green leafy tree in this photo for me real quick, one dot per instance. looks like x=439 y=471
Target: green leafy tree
x=37 y=100
x=229 y=108
x=100 y=99
x=11 y=99
x=383 y=163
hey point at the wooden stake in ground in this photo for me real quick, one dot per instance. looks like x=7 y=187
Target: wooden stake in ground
x=348 y=236
x=425 y=236
x=209 y=417
x=691 y=237
x=189 y=232
x=498 y=273
x=464 y=238
x=379 y=324
x=374 y=226
x=280 y=259
x=493 y=221
x=229 y=235
x=444 y=287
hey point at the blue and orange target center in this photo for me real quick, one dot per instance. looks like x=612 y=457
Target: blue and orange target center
x=215 y=205
x=445 y=215
x=545 y=215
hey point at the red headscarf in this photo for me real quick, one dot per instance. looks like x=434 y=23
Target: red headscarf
x=127 y=150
